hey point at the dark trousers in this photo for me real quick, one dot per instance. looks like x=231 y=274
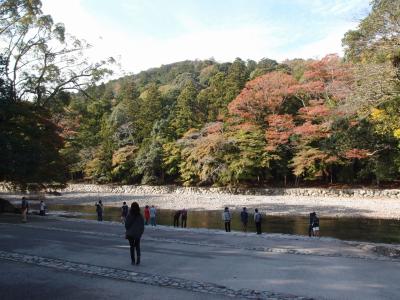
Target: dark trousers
x=184 y=222
x=99 y=216
x=135 y=245
x=310 y=231
x=176 y=222
x=258 y=227
x=244 y=226
x=227 y=226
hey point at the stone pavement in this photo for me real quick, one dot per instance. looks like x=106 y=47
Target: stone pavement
x=205 y=263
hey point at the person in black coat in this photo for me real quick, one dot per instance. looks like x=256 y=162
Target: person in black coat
x=244 y=218
x=310 y=224
x=134 y=225
x=184 y=217
x=176 y=218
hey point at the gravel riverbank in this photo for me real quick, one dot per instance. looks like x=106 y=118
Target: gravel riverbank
x=329 y=206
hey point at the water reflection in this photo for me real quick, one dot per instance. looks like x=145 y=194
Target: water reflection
x=357 y=229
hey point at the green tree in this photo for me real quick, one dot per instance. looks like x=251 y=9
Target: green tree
x=29 y=141
x=41 y=60
x=186 y=110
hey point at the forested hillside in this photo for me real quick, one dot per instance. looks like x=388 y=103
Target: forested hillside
x=333 y=120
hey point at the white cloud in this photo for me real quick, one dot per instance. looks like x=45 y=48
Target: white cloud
x=335 y=7
x=329 y=44
x=137 y=52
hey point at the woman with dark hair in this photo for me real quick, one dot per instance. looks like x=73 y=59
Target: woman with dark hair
x=134 y=225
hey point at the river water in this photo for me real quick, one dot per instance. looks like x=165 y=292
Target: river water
x=355 y=229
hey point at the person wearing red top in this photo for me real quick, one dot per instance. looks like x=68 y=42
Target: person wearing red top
x=146 y=215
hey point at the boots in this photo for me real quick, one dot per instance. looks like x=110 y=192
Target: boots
x=138 y=260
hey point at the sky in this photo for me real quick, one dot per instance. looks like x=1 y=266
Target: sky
x=142 y=34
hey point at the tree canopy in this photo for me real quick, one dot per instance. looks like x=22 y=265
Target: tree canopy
x=202 y=122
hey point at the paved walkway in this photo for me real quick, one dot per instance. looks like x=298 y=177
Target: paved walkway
x=188 y=264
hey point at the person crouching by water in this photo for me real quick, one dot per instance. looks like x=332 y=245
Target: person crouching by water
x=99 y=211
x=177 y=215
x=315 y=225
x=146 y=214
x=124 y=212
x=226 y=217
x=244 y=218
x=24 y=209
x=184 y=217
x=310 y=224
x=134 y=225
x=257 y=220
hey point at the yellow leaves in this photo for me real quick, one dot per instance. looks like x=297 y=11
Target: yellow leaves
x=377 y=114
x=123 y=154
x=386 y=121
x=396 y=133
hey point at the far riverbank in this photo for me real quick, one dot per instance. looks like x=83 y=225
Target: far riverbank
x=381 y=204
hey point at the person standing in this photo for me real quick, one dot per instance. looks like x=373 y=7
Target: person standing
x=183 y=217
x=24 y=209
x=244 y=218
x=257 y=220
x=99 y=211
x=315 y=225
x=176 y=218
x=124 y=212
x=42 y=209
x=153 y=213
x=310 y=224
x=226 y=217
x=134 y=225
x=146 y=215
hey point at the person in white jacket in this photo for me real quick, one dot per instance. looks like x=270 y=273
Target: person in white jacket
x=226 y=217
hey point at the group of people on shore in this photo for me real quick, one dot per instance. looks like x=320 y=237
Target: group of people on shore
x=244 y=219
x=25 y=209
x=134 y=221
x=150 y=214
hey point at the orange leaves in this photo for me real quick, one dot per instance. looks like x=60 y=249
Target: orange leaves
x=215 y=127
x=316 y=110
x=279 y=130
x=330 y=74
x=262 y=95
x=356 y=154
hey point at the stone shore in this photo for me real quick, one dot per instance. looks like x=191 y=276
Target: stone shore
x=366 y=203
x=168 y=189
x=172 y=189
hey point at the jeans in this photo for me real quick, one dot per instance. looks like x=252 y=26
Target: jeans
x=99 y=216
x=153 y=221
x=134 y=245
x=258 y=227
x=176 y=222
x=184 y=222
x=227 y=226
